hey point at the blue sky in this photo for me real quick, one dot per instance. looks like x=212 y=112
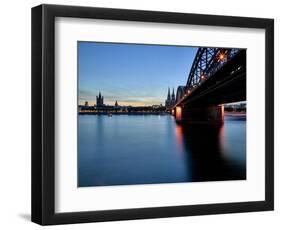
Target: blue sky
x=132 y=74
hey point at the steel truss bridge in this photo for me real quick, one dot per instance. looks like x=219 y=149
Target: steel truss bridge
x=217 y=76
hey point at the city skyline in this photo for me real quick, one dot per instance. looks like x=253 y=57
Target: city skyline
x=132 y=74
x=94 y=103
x=98 y=101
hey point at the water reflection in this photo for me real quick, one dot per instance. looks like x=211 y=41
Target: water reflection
x=127 y=150
x=179 y=138
x=205 y=148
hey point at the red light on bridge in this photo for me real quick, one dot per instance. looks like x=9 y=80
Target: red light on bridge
x=202 y=77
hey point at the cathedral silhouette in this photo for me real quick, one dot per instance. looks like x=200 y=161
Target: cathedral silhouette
x=171 y=99
x=99 y=100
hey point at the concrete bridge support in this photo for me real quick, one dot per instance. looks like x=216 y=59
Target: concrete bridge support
x=213 y=114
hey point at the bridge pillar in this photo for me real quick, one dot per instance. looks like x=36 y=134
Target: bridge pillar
x=213 y=114
x=178 y=113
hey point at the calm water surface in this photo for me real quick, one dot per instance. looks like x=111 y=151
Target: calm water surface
x=128 y=149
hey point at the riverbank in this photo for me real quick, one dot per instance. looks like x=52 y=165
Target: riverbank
x=122 y=113
x=235 y=114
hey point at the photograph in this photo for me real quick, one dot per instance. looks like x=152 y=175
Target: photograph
x=156 y=113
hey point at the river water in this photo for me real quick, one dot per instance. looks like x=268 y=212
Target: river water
x=148 y=149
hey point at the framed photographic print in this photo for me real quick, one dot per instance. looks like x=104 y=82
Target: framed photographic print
x=142 y=114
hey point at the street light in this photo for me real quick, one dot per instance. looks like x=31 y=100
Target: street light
x=221 y=56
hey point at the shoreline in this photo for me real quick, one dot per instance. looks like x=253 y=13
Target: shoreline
x=236 y=114
x=124 y=113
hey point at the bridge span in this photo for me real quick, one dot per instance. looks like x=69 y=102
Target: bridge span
x=217 y=76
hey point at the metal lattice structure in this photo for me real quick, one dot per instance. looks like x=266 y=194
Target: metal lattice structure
x=206 y=63
x=180 y=93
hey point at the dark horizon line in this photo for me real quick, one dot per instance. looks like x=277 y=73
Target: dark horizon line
x=126 y=105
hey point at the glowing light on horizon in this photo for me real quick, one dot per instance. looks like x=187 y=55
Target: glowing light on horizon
x=122 y=103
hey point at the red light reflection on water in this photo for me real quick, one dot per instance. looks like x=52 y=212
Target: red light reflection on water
x=222 y=139
x=179 y=137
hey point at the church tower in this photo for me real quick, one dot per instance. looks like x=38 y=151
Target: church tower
x=173 y=96
x=168 y=97
x=171 y=100
x=99 y=100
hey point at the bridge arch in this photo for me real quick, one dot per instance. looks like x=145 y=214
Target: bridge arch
x=217 y=76
x=180 y=92
x=207 y=62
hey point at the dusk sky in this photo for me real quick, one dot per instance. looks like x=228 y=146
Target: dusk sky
x=131 y=74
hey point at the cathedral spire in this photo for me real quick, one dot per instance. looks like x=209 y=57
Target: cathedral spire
x=169 y=96
x=171 y=99
x=99 y=100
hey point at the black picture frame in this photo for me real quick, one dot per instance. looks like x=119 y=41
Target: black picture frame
x=43 y=114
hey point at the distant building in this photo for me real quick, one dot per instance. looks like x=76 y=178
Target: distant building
x=171 y=99
x=157 y=106
x=99 y=99
x=116 y=104
x=238 y=107
x=86 y=103
x=243 y=105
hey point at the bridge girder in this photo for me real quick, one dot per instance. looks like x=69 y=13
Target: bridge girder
x=206 y=62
